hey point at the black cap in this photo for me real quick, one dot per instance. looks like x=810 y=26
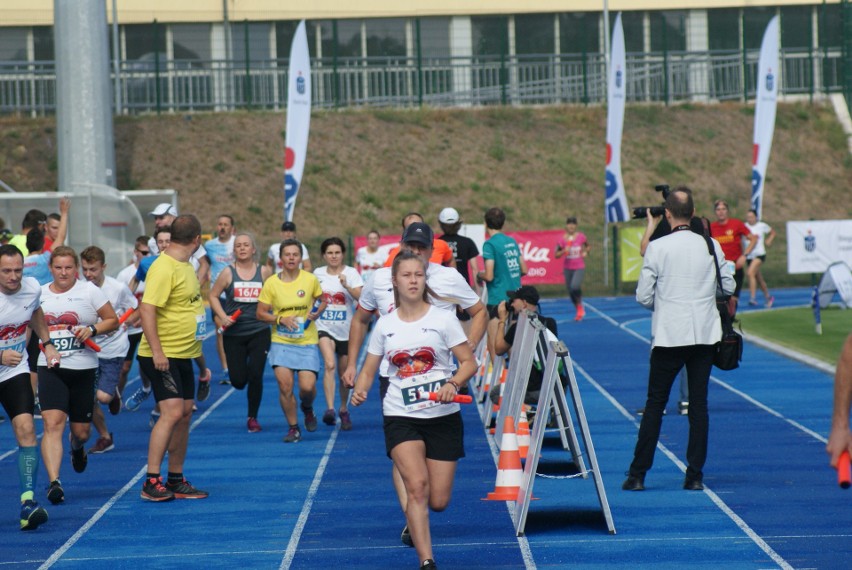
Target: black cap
x=418 y=232
x=526 y=293
x=288 y=227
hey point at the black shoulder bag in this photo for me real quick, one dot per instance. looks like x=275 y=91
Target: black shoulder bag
x=729 y=351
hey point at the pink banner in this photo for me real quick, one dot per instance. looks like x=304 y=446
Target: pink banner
x=536 y=247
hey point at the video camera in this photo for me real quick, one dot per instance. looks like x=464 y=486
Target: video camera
x=642 y=211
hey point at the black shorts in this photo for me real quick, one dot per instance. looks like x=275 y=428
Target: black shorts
x=341 y=347
x=69 y=391
x=443 y=436
x=177 y=382
x=492 y=311
x=33 y=352
x=762 y=259
x=462 y=314
x=134 y=343
x=16 y=395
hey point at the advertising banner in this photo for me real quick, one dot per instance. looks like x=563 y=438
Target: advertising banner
x=814 y=245
x=764 y=112
x=630 y=261
x=615 y=201
x=298 y=118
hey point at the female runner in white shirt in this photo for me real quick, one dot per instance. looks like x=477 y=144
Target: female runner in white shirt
x=423 y=438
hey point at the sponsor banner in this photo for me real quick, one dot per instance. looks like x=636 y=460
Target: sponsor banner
x=298 y=118
x=837 y=280
x=814 y=245
x=764 y=112
x=630 y=261
x=536 y=247
x=615 y=201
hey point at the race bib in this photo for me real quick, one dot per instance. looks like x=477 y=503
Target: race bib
x=246 y=291
x=200 y=327
x=288 y=333
x=65 y=342
x=334 y=313
x=411 y=388
x=17 y=344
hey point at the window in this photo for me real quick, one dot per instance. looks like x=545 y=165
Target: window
x=191 y=41
x=142 y=39
x=579 y=32
x=634 y=30
x=723 y=29
x=668 y=31
x=796 y=27
x=435 y=37
x=534 y=34
x=249 y=41
x=13 y=44
x=754 y=25
x=386 y=37
x=43 y=39
x=490 y=35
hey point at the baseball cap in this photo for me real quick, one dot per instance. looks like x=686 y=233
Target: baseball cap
x=418 y=232
x=288 y=227
x=448 y=216
x=526 y=293
x=164 y=209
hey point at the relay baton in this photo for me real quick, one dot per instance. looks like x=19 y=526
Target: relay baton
x=125 y=316
x=234 y=317
x=458 y=398
x=844 y=474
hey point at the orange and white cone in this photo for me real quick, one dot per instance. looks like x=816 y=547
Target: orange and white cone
x=523 y=434
x=509 y=470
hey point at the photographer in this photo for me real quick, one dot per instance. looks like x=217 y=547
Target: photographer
x=685 y=327
x=525 y=298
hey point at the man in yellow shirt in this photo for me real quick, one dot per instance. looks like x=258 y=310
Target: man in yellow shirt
x=174 y=324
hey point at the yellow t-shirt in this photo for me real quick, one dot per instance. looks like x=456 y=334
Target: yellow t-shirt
x=293 y=299
x=172 y=287
x=20 y=241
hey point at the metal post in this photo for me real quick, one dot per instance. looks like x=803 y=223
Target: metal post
x=504 y=74
x=585 y=67
x=248 y=64
x=745 y=59
x=666 y=85
x=335 y=75
x=615 y=251
x=607 y=48
x=157 y=67
x=811 y=79
x=229 y=57
x=419 y=64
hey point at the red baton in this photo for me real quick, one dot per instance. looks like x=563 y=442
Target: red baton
x=458 y=398
x=844 y=471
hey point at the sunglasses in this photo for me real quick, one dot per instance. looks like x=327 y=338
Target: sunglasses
x=143 y=251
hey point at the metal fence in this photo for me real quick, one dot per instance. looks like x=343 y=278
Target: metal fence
x=193 y=85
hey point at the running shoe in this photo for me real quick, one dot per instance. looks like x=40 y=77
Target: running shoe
x=329 y=418
x=55 y=494
x=293 y=435
x=103 y=445
x=405 y=537
x=184 y=490
x=581 y=312
x=152 y=421
x=204 y=386
x=428 y=564
x=253 y=425
x=154 y=490
x=345 y=421
x=135 y=400
x=683 y=408
x=769 y=302
x=79 y=459
x=310 y=419
x=115 y=404
x=32 y=515
x=225 y=380
x=752 y=303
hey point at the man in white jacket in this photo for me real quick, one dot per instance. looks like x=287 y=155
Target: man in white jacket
x=678 y=283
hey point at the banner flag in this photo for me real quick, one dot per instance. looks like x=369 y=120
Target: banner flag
x=298 y=118
x=615 y=202
x=764 y=112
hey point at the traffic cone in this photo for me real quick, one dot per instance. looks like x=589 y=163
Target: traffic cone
x=509 y=470
x=523 y=434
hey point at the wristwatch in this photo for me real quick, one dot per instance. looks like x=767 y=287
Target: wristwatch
x=48 y=342
x=94 y=330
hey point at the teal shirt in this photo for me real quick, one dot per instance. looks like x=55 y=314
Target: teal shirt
x=506 y=254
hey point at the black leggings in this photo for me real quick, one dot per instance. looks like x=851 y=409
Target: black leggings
x=246 y=357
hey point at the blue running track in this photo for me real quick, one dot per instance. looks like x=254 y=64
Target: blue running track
x=327 y=502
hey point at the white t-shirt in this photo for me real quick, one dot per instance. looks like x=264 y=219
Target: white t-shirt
x=446 y=282
x=63 y=311
x=337 y=317
x=761 y=230
x=125 y=276
x=275 y=255
x=419 y=357
x=370 y=262
x=115 y=344
x=17 y=310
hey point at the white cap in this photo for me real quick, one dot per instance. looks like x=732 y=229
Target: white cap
x=448 y=216
x=164 y=209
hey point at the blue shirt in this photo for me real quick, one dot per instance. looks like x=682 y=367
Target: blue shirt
x=38 y=267
x=220 y=254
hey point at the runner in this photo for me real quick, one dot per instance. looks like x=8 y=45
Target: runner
x=134 y=330
x=285 y=302
x=424 y=439
x=220 y=254
x=164 y=214
x=369 y=258
x=246 y=339
x=574 y=247
x=75 y=311
x=114 y=345
x=174 y=323
x=273 y=260
x=765 y=236
x=441 y=252
x=341 y=286
x=20 y=308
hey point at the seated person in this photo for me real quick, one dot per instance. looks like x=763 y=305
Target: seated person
x=525 y=298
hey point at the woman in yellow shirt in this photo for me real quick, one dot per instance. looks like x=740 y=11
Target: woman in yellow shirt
x=287 y=302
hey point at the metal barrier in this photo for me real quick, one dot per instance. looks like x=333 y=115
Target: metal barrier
x=217 y=85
